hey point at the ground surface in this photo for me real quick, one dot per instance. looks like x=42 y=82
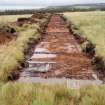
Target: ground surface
x=58 y=55
x=6 y=37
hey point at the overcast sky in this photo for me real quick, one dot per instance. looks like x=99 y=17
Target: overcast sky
x=47 y=2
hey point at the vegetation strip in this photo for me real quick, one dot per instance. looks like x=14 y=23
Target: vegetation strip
x=30 y=94
x=12 y=54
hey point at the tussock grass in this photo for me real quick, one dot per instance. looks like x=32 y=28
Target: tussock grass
x=30 y=94
x=12 y=54
x=90 y=25
x=26 y=26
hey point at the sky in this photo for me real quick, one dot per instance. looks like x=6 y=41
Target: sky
x=47 y=2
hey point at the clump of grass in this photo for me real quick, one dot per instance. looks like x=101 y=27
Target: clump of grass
x=30 y=94
x=13 y=53
x=90 y=25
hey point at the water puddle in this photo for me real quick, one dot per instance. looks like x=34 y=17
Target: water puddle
x=42 y=53
x=41 y=67
x=41 y=50
x=35 y=56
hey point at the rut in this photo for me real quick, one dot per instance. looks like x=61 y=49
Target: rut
x=58 y=59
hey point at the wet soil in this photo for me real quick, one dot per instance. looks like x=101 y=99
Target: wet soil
x=58 y=55
x=35 y=18
x=6 y=37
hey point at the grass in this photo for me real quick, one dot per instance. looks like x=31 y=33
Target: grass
x=90 y=25
x=13 y=53
x=30 y=94
x=14 y=93
x=4 y=19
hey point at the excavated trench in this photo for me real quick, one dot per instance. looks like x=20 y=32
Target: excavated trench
x=57 y=56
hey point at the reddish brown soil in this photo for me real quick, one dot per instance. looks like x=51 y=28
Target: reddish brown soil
x=35 y=18
x=21 y=21
x=69 y=60
x=6 y=37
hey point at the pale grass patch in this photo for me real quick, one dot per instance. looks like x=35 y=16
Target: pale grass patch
x=4 y=19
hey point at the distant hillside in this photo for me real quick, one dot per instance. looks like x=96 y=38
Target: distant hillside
x=71 y=8
x=99 y=6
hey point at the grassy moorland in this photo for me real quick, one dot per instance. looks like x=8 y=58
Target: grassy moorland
x=90 y=25
x=4 y=19
x=15 y=93
x=30 y=94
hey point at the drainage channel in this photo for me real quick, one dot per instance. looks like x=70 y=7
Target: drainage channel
x=58 y=59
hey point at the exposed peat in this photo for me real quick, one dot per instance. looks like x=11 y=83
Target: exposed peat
x=58 y=55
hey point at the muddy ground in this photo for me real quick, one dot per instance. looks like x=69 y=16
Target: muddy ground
x=58 y=55
x=6 y=37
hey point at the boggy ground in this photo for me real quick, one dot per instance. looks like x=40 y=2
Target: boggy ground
x=7 y=34
x=6 y=37
x=58 y=55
